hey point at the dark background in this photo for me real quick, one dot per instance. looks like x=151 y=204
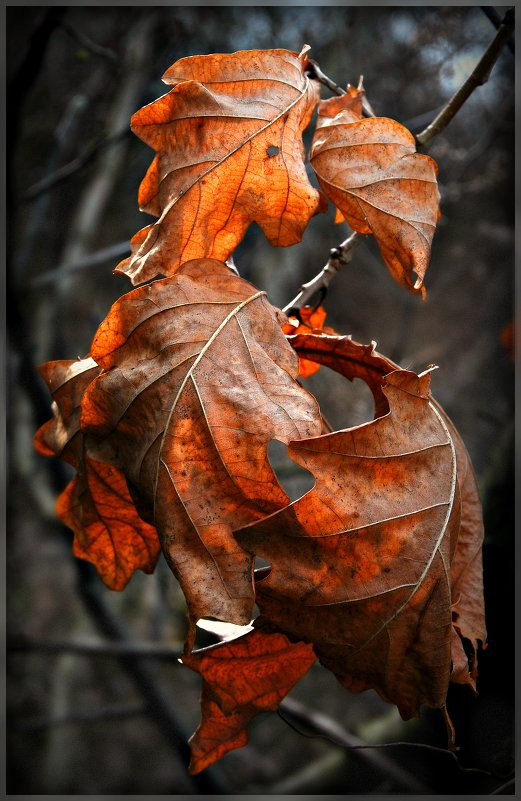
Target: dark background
x=102 y=723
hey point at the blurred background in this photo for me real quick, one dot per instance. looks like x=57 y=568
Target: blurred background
x=97 y=702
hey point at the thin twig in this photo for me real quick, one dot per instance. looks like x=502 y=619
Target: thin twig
x=338 y=257
x=294 y=713
x=74 y=166
x=98 y=648
x=116 y=251
x=315 y=72
x=88 y=44
x=500 y=790
x=478 y=77
x=322 y=726
x=114 y=712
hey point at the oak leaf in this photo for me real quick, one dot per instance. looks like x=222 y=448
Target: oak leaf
x=241 y=678
x=366 y=565
x=229 y=153
x=304 y=321
x=96 y=504
x=197 y=379
x=354 y=360
x=373 y=539
x=369 y=168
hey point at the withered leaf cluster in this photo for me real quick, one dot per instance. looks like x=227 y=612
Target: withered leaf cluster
x=376 y=571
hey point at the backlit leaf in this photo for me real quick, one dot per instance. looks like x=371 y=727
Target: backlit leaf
x=96 y=504
x=369 y=168
x=361 y=564
x=248 y=675
x=197 y=379
x=229 y=153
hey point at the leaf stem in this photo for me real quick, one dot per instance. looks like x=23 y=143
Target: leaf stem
x=315 y=72
x=478 y=77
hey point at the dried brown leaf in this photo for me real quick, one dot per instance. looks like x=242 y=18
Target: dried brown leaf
x=197 y=379
x=229 y=153
x=370 y=170
x=248 y=675
x=96 y=504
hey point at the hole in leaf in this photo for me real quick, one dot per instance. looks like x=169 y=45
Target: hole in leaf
x=294 y=479
x=343 y=403
x=272 y=150
x=262 y=569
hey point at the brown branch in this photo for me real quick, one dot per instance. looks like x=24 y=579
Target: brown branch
x=98 y=648
x=294 y=713
x=74 y=166
x=478 y=77
x=315 y=72
x=338 y=257
x=496 y=21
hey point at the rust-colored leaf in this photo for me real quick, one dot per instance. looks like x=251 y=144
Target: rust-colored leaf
x=96 y=504
x=197 y=379
x=248 y=675
x=108 y=531
x=305 y=321
x=361 y=564
x=370 y=169
x=67 y=381
x=468 y=611
x=354 y=360
x=229 y=153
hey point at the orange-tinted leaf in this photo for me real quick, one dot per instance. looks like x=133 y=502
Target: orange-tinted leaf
x=354 y=360
x=243 y=677
x=370 y=169
x=96 y=504
x=198 y=378
x=309 y=319
x=349 y=358
x=108 y=531
x=361 y=564
x=67 y=381
x=229 y=153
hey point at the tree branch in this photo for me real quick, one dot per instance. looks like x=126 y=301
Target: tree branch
x=495 y=19
x=295 y=714
x=113 y=712
x=315 y=72
x=88 y=44
x=117 y=251
x=64 y=172
x=98 y=648
x=478 y=77
x=337 y=258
